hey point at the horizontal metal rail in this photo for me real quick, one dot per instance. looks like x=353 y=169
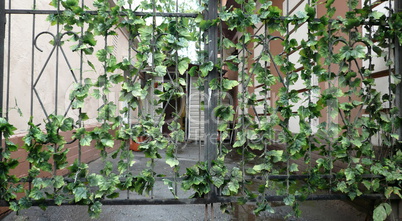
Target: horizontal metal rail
x=173 y=201
x=157 y=14
x=248 y=178
x=306 y=176
x=49 y=12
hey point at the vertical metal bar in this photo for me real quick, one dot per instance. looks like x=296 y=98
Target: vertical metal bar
x=287 y=91
x=398 y=92
x=58 y=45
x=329 y=123
x=8 y=62
x=370 y=60
x=187 y=100
x=33 y=59
x=32 y=71
x=153 y=45
x=199 y=126
x=56 y=93
x=177 y=100
x=201 y=39
x=398 y=71
x=221 y=74
x=2 y=37
x=385 y=152
x=211 y=96
x=128 y=76
x=80 y=81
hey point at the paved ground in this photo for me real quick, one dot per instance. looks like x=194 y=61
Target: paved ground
x=188 y=155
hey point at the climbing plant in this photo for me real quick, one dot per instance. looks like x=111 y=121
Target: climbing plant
x=338 y=89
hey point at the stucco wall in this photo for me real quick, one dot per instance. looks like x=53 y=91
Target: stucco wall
x=51 y=72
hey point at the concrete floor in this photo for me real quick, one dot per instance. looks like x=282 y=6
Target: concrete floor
x=188 y=156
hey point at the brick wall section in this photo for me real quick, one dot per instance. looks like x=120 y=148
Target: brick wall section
x=88 y=154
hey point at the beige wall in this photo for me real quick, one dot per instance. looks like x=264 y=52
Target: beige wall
x=22 y=67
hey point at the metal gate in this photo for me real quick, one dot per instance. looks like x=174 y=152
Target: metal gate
x=57 y=71
x=42 y=49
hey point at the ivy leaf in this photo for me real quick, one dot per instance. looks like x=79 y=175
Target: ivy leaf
x=255 y=19
x=350 y=53
x=229 y=84
x=289 y=200
x=96 y=94
x=381 y=212
x=359 y=52
x=101 y=55
x=218 y=181
x=67 y=124
x=95 y=209
x=58 y=182
x=293 y=168
x=367 y=161
x=263 y=207
x=36 y=194
x=377 y=50
x=116 y=78
x=58 y=200
x=214 y=84
x=376 y=14
x=80 y=193
x=169 y=183
x=95 y=179
x=277 y=155
x=205 y=24
x=107 y=142
x=356 y=142
x=233 y=187
x=260 y=167
x=172 y=162
x=24 y=203
x=388 y=192
x=193 y=71
x=114 y=195
x=37 y=182
x=302 y=16
x=160 y=71
x=182 y=81
x=228 y=43
x=206 y=68
x=14 y=206
x=350 y=174
x=183 y=65
x=237 y=174
x=367 y=184
x=222 y=126
x=375 y=184
x=89 y=38
x=145 y=31
x=86 y=140
x=225 y=113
